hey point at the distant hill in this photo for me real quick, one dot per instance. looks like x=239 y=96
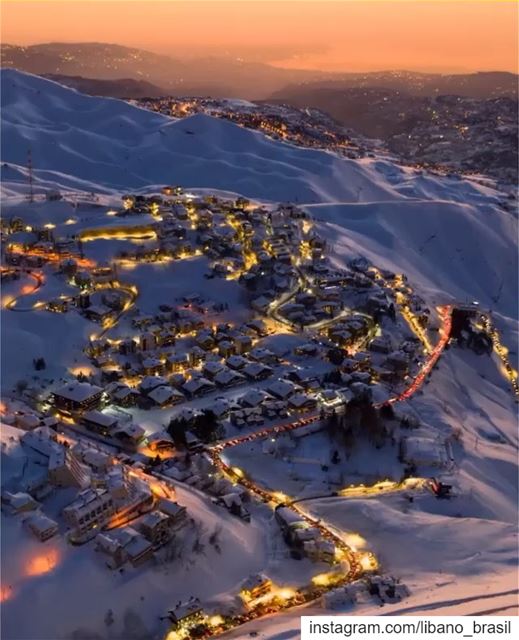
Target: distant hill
x=491 y=84
x=228 y=77
x=120 y=88
x=218 y=77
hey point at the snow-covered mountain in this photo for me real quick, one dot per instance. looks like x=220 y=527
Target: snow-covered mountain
x=451 y=232
x=450 y=237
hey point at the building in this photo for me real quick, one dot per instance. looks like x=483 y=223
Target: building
x=98 y=313
x=242 y=344
x=302 y=402
x=91 y=510
x=228 y=378
x=18 y=502
x=163 y=396
x=156 y=527
x=108 y=544
x=282 y=389
x=129 y=434
x=65 y=470
x=211 y=368
x=99 y=422
x=138 y=549
x=198 y=387
x=77 y=396
x=255 y=586
x=257 y=371
x=176 y=514
x=148 y=341
x=41 y=526
x=187 y=614
x=160 y=441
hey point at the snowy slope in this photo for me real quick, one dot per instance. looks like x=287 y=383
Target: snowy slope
x=449 y=236
x=77 y=138
x=456 y=251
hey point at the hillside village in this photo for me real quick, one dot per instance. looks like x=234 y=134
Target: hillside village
x=310 y=351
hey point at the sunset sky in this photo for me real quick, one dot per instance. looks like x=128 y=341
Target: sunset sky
x=356 y=35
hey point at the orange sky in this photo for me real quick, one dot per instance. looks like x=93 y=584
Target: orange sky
x=356 y=35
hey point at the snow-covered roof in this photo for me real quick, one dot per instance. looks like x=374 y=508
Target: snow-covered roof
x=78 y=391
x=196 y=384
x=40 y=523
x=100 y=418
x=282 y=388
x=163 y=394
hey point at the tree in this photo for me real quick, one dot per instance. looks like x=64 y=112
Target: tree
x=205 y=426
x=387 y=412
x=39 y=363
x=20 y=386
x=109 y=618
x=177 y=430
x=336 y=356
x=371 y=423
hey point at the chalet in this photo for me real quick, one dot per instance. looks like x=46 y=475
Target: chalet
x=286 y=518
x=233 y=503
x=155 y=527
x=205 y=341
x=123 y=395
x=198 y=387
x=195 y=355
x=221 y=408
x=253 y=398
x=424 y=451
x=109 y=544
x=187 y=614
x=211 y=368
x=160 y=441
x=262 y=355
x=77 y=396
x=282 y=389
x=99 y=422
x=236 y=362
x=176 y=363
x=225 y=348
x=242 y=344
x=320 y=550
x=130 y=434
x=255 y=586
x=151 y=382
x=176 y=514
x=138 y=549
x=257 y=327
x=302 y=402
x=228 y=378
x=257 y=371
x=98 y=461
x=398 y=361
x=177 y=380
x=163 y=396
x=152 y=366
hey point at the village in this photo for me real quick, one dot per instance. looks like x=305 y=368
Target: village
x=221 y=394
